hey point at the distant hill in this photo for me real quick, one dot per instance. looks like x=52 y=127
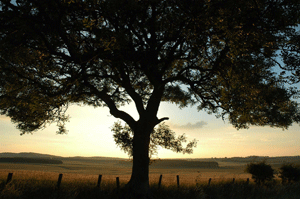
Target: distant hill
x=196 y=162
x=30 y=160
x=43 y=158
x=28 y=155
x=39 y=155
x=274 y=160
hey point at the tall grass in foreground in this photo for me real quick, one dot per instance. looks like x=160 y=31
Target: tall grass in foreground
x=85 y=187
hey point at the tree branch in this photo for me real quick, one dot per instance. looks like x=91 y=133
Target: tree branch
x=130 y=90
x=111 y=105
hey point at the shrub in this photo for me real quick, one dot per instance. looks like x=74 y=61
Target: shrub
x=289 y=172
x=261 y=172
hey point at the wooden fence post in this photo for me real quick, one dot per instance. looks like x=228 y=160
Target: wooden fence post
x=118 y=182
x=159 y=182
x=209 y=181
x=9 y=177
x=177 y=181
x=99 y=181
x=59 y=181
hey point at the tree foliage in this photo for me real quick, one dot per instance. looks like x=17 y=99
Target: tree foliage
x=289 y=172
x=261 y=172
x=291 y=58
x=102 y=54
x=162 y=136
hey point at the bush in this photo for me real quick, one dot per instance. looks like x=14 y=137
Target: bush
x=289 y=172
x=261 y=172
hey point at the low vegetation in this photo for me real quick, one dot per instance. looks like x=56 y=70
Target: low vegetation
x=36 y=188
x=289 y=173
x=261 y=172
x=80 y=176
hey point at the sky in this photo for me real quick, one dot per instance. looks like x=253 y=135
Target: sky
x=89 y=134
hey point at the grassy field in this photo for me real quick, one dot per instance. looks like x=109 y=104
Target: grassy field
x=80 y=180
x=37 y=185
x=122 y=168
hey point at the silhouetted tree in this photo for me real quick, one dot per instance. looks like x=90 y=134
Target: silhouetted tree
x=161 y=136
x=261 y=172
x=289 y=172
x=218 y=55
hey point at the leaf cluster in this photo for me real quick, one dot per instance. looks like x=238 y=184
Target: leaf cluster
x=161 y=136
x=291 y=58
x=29 y=102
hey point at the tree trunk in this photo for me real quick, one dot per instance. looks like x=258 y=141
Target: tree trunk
x=138 y=186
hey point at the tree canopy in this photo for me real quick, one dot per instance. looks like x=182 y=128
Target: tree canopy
x=217 y=55
x=214 y=54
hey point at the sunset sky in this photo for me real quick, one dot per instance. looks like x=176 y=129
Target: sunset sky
x=89 y=135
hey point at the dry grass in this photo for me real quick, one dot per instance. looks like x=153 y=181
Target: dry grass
x=39 y=184
x=80 y=179
x=169 y=179
x=110 y=170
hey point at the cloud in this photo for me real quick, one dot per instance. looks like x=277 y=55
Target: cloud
x=197 y=125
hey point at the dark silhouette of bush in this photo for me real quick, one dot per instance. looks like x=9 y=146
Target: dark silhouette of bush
x=261 y=172
x=289 y=172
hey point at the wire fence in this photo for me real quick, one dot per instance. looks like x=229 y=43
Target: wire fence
x=159 y=181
